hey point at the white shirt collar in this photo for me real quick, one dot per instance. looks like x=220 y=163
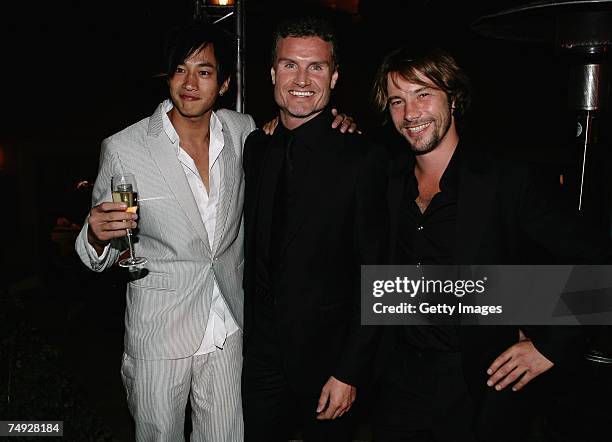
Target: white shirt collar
x=216 y=133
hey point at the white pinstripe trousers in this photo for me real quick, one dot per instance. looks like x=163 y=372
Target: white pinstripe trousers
x=157 y=393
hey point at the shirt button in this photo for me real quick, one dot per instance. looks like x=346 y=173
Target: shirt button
x=419 y=228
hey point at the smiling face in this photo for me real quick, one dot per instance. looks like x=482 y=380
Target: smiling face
x=194 y=86
x=303 y=76
x=421 y=113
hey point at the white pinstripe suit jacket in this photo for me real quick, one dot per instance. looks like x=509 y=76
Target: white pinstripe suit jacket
x=167 y=308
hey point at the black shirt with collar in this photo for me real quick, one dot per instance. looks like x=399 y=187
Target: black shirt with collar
x=429 y=238
x=296 y=147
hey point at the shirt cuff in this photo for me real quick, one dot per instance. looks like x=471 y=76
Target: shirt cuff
x=95 y=260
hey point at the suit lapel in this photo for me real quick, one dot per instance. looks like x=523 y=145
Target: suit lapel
x=164 y=155
x=476 y=196
x=267 y=181
x=229 y=169
x=477 y=189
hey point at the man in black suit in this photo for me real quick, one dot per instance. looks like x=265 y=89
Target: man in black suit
x=313 y=214
x=452 y=204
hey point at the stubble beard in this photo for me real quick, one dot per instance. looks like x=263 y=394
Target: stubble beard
x=434 y=140
x=430 y=145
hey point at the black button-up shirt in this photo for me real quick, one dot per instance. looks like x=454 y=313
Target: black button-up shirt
x=427 y=238
x=295 y=147
x=292 y=152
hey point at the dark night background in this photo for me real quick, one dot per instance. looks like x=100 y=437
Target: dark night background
x=74 y=72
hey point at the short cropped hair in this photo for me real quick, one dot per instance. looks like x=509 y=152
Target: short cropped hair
x=185 y=41
x=433 y=63
x=309 y=26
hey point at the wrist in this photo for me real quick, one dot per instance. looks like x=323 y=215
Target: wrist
x=98 y=245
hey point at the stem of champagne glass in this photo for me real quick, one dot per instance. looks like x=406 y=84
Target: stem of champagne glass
x=129 y=238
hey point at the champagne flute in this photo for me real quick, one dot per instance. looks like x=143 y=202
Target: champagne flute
x=123 y=188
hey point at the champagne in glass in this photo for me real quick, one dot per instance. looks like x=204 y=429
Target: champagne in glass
x=125 y=194
x=123 y=189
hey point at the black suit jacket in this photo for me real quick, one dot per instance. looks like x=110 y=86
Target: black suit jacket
x=341 y=224
x=504 y=208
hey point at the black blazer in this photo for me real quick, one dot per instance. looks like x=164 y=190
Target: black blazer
x=504 y=208
x=342 y=224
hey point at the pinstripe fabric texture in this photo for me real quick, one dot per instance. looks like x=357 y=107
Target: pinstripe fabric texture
x=215 y=396
x=157 y=394
x=168 y=302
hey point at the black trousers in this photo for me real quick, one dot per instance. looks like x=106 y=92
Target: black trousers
x=423 y=397
x=274 y=411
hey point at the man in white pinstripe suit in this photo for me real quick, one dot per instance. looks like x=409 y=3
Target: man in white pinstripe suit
x=184 y=309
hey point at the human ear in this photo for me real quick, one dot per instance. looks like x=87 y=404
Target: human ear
x=273 y=75
x=334 y=79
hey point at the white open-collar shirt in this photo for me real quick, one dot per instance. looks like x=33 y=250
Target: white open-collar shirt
x=220 y=323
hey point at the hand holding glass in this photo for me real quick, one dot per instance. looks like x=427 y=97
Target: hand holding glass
x=123 y=188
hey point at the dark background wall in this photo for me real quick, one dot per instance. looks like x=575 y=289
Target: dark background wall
x=93 y=63
x=74 y=72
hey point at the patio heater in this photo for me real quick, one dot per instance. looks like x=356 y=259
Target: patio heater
x=581 y=33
